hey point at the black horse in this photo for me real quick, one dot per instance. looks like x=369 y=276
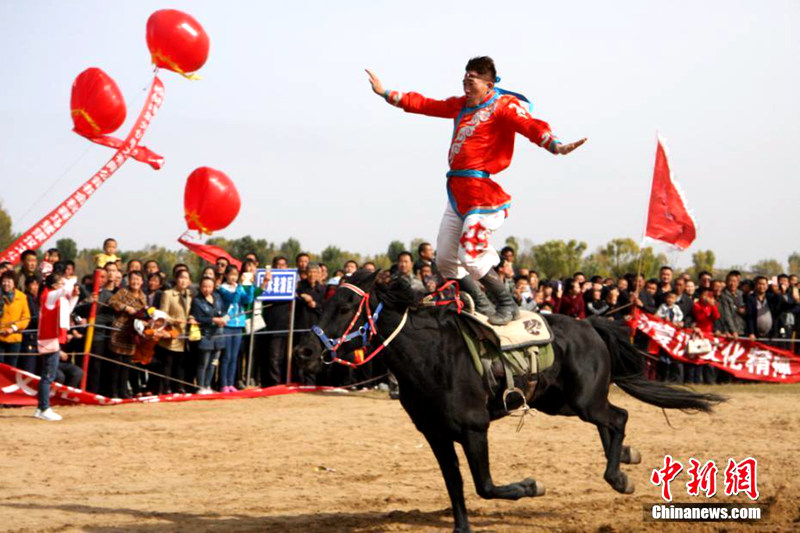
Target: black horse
x=448 y=402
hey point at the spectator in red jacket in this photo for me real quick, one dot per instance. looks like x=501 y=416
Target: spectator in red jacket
x=572 y=303
x=705 y=312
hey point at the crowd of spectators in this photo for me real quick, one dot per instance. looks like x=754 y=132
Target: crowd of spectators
x=195 y=332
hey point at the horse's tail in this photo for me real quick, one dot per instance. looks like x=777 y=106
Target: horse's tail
x=627 y=371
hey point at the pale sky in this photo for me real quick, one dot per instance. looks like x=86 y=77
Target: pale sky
x=285 y=110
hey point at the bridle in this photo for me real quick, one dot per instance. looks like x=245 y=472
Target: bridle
x=366 y=331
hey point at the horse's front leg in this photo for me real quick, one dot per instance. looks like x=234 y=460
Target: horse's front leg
x=476 y=448
x=445 y=453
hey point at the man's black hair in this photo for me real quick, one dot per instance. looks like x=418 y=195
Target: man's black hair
x=705 y=273
x=26 y=253
x=665 y=267
x=483 y=65
x=421 y=246
x=405 y=252
x=733 y=273
x=507 y=249
x=652 y=281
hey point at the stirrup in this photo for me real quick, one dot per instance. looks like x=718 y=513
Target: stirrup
x=515 y=390
x=522 y=410
x=469 y=303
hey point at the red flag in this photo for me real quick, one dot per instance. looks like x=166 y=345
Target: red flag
x=668 y=219
x=209 y=252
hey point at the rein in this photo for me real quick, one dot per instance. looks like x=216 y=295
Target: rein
x=366 y=331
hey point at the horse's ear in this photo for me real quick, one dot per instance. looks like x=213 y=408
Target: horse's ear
x=369 y=281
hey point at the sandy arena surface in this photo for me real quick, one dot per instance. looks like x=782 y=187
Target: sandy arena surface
x=333 y=462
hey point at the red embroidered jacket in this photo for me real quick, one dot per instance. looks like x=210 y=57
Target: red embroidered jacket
x=482 y=144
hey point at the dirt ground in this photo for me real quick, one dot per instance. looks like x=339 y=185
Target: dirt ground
x=336 y=462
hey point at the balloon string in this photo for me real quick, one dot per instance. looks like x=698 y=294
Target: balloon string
x=53 y=185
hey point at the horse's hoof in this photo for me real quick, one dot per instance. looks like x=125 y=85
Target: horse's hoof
x=534 y=488
x=630 y=456
x=622 y=484
x=630 y=486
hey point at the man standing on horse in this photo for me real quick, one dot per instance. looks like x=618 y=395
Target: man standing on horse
x=486 y=119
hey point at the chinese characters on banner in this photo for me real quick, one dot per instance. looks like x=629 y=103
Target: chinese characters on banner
x=741 y=357
x=739 y=477
x=281 y=287
x=55 y=220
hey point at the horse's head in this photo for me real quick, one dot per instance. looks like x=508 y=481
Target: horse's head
x=345 y=325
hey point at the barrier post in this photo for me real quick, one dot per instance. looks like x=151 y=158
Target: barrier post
x=87 y=347
x=249 y=380
x=290 y=342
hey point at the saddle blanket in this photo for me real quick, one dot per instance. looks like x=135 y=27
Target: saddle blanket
x=530 y=329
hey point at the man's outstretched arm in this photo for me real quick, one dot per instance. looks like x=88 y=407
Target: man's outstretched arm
x=538 y=131
x=415 y=102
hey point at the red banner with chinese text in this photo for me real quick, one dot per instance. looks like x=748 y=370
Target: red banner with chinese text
x=743 y=358
x=18 y=387
x=40 y=232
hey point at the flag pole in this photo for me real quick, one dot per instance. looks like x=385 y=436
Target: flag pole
x=646 y=220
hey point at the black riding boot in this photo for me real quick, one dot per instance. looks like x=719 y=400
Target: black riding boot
x=506 y=308
x=482 y=303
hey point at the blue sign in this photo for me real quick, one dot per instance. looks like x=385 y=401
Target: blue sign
x=281 y=287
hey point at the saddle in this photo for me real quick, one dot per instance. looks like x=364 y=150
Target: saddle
x=522 y=348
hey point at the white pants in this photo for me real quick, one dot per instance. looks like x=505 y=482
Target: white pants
x=463 y=247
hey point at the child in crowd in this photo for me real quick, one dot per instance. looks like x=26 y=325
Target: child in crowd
x=109 y=253
x=669 y=370
x=51 y=257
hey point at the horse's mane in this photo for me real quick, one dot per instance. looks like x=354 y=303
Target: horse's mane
x=397 y=294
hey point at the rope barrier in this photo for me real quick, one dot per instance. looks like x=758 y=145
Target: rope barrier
x=170 y=378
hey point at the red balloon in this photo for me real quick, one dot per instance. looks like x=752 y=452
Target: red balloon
x=176 y=41
x=97 y=105
x=210 y=200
